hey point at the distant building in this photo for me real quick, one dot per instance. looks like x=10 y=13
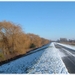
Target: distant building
x=63 y=40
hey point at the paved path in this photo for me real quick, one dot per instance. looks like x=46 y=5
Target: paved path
x=68 y=58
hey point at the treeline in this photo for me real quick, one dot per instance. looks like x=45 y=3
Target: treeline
x=13 y=41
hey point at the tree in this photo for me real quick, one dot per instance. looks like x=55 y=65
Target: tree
x=13 y=41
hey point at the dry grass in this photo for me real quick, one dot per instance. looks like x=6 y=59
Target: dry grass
x=69 y=43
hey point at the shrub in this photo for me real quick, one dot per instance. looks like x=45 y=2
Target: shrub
x=32 y=46
x=13 y=41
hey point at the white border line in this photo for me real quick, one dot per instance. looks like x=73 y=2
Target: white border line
x=37 y=0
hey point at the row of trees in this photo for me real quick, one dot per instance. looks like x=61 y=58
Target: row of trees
x=13 y=41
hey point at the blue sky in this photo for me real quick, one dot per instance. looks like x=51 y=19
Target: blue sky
x=50 y=20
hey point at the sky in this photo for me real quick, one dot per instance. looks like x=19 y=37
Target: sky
x=51 y=20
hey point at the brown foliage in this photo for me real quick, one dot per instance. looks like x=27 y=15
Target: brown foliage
x=13 y=41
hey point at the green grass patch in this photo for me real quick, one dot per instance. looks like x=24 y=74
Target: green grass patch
x=1 y=55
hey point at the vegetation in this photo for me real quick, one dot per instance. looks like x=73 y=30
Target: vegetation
x=69 y=43
x=13 y=41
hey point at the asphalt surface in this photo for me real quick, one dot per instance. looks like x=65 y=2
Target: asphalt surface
x=68 y=57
